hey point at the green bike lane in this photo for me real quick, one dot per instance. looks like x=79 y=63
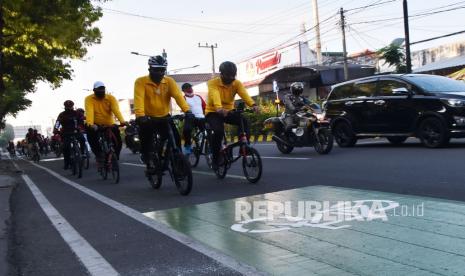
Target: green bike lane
x=422 y=236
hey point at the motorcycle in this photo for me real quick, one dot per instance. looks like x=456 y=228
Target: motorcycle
x=132 y=138
x=311 y=130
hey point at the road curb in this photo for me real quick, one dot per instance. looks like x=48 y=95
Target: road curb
x=7 y=184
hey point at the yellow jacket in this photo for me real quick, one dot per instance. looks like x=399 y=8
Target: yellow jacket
x=222 y=96
x=100 y=111
x=151 y=99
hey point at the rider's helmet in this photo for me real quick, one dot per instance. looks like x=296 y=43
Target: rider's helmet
x=30 y=130
x=297 y=88
x=157 y=62
x=68 y=105
x=228 y=72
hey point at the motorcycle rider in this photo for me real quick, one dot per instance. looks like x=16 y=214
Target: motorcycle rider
x=294 y=102
x=130 y=132
x=72 y=123
x=197 y=105
x=152 y=96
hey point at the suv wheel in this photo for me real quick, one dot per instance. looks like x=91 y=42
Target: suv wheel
x=396 y=140
x=344 y=135
x=433 y=133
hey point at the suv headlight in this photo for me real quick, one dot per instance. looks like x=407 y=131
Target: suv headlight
x=454 y=102
x=460 y=121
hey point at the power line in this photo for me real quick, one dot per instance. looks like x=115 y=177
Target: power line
x=374 y=4
x=437 y=37
x=185 y=24
x=411 y=16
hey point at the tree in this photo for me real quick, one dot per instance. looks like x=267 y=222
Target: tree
x=38 y=38
x=6 y=135
x=394 y=55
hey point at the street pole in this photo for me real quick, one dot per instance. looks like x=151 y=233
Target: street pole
x=344 y=48
x=407 y=39
x=212 y=47
x=316 y=22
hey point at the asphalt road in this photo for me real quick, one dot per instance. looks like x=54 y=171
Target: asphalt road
x=133 y=248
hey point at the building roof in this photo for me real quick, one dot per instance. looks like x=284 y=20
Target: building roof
x=200 y=77
x=442 y=64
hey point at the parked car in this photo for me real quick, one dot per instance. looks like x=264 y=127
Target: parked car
x=429 y=107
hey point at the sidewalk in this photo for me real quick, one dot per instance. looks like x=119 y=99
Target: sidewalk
x=7 y=182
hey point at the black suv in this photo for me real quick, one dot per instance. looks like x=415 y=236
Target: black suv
x=429 y=107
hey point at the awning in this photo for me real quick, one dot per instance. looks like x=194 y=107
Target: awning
x=441 y=65
x=459 y=75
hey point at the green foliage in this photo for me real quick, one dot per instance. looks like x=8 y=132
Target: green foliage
x=394 y=55
x=38 y=40
x=267 y=110
x=6 y=135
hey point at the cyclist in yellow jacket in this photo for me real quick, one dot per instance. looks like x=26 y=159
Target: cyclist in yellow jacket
x=152 y=101
x=100 y=108
x=221 y=93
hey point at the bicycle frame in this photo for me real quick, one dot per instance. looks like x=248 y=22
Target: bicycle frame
x=242 y=143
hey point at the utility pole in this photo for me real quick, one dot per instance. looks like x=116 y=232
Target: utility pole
x=408 y=59
x=344 y=49
x=316 y=23
x=212 y=47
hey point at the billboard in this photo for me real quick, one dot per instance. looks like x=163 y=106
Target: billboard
x=254 y=70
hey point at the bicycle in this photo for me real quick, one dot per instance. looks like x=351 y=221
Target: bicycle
x=167 y=156
x=76 y=156
x=35 y=154
x=250 y=157
x=110 y=165
x=200 y=145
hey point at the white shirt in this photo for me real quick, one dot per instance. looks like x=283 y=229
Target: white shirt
x=196 y=105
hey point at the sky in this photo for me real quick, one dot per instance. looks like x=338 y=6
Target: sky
x=240 y=28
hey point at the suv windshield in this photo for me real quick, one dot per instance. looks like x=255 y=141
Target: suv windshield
x=436 y=84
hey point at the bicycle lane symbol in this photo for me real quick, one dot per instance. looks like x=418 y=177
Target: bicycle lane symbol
x=361 y=211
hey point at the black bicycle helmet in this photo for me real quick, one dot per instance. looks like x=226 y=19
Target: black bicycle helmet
x=228 y=68
x=68 y=104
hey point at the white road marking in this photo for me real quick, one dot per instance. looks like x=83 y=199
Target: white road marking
x=193 y=171
x=285 y=158
x=87 y=255
x=162 y=228
x=51 y=159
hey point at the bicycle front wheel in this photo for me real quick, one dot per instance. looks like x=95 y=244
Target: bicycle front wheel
x=208 y=154
x=195 y=155
x=182 y=173
x=114 y=168
x=222 y=169
x=252 y=165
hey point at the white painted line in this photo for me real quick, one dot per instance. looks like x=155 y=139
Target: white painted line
x=51 y=159
x=162 y=228
x=193 y=171
x=87 y=255
x=285 y=158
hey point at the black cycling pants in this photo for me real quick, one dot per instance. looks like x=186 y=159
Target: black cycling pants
x=216 y=123
x=149 y=128
x=92 y=138
x=67 y=145
x=189 y=125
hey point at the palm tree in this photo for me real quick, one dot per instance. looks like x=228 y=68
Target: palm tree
x=393 y=55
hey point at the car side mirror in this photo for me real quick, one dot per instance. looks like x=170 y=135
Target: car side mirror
x=401 y=91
